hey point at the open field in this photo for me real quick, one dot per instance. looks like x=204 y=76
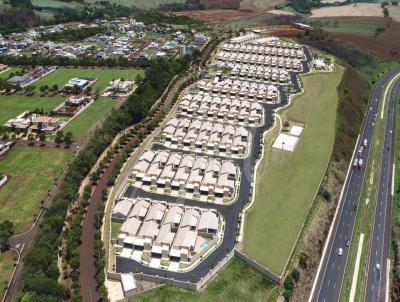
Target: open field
x=394 y=12
x=361 y=32
x=13 y=105
x=7 y=260
x=54 y=4
x=286 y=182
x=103 y=75
x=146 y=4
x=32 y=172
x=256 y=5
x=236 y=282
x=231 y=17
x=361 y=10
x=88 y=119
x=6 y=74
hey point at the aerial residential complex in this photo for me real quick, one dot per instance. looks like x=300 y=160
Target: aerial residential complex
x=199 y=165
x=163 y=234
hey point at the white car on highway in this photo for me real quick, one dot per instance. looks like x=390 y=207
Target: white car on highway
x=340 y=251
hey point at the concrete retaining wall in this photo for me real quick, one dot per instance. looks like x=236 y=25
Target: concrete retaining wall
x=258 y=267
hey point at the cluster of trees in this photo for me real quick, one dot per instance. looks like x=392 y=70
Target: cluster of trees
x=354 y=56
x=41 y=259
x=304 y=6
x=63 y=138
x=99 y=251
x=395 y=289
x=85 y=61
x=22 y=15
x=109 y=11
x=6 y=231
x=18 y=17
x=73 y=34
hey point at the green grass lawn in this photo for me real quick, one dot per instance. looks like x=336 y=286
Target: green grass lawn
x=103 y=75
x=13 y=105
x=54 y=4
x=236 y=282
x=7 y=260
x=32 y=172
x=88 y=119
x=286 y=182
x=6 y=74
x=115 y=227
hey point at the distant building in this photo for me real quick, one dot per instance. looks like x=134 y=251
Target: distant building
x=78 y=84
x=3 y=67
x=45 y=123
x=30 y=76
x=200 y=38
x=182 y=51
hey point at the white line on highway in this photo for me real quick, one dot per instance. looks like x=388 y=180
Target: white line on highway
x=387 y=281
x=356 y=269
x=22 y=248
x=386 y=91
x=394 y=167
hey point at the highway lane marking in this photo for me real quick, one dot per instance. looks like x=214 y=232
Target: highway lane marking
x=387 y=281
x=394 y=167
x=356 y=269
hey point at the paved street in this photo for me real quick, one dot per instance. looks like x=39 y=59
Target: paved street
x=330 y=278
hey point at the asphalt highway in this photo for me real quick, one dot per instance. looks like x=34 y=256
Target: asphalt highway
x=328 y=282
x=375 y=281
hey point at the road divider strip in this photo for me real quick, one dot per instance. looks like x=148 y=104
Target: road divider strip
x=356 y=269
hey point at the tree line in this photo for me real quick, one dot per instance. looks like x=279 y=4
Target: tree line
x=40 y=272
x=73 y=34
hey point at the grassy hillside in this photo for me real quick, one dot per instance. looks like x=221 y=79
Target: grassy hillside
x=287 y=181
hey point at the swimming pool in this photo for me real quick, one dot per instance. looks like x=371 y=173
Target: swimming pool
x=204 y=244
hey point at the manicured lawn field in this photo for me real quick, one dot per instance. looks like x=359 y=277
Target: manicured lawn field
x=286 y=182
x=7 y=260
x=32 y=172
x=6 y=74
x=89 y=118
x=103 y=75
x=236 y=282
x=13 y=105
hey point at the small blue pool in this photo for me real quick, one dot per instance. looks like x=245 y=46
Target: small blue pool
x=204 y=244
